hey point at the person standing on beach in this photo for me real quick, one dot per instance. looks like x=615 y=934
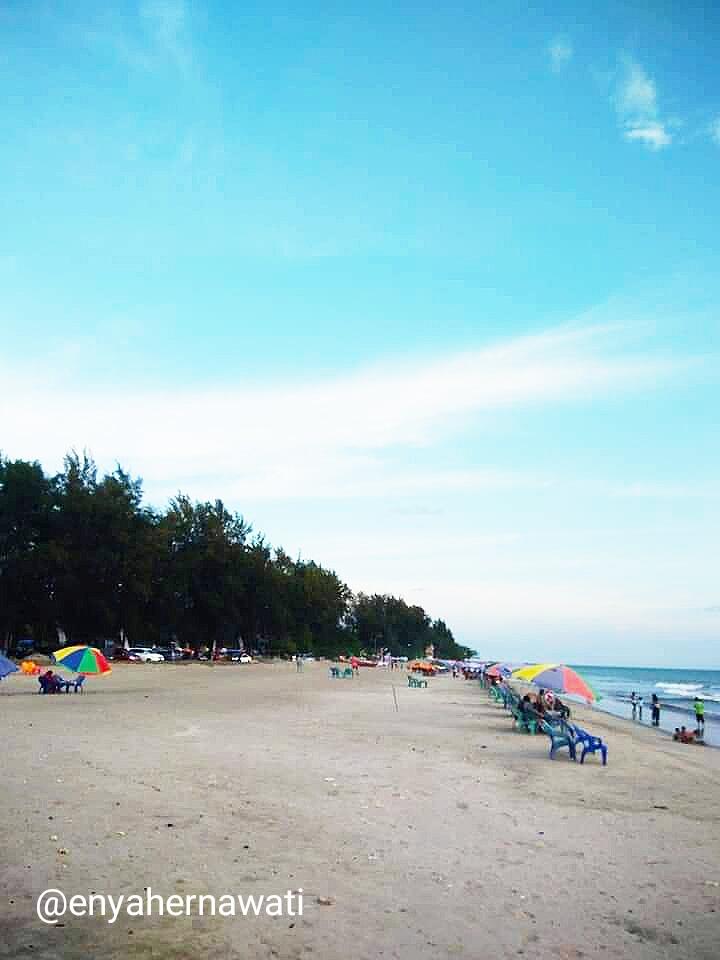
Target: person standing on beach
x=655 y=710
x=634 y=704
x=699 y=705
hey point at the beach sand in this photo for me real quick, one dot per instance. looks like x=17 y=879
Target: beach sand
x=431 y=831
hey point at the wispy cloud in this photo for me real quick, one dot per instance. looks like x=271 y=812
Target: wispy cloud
x=667 y=491
x=560 y=52
x=715 y=130
x=636 y=103
x=371 y=433
x=653 y=135
x=166 y=23
x=637 y=94
x=157 y=34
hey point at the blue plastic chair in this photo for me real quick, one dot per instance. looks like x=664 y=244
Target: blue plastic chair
x=561 y=735
x=590 y=744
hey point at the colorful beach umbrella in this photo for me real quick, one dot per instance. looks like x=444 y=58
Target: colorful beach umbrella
x=6 y=667
x=86 y=660
x=558 y=678
x=501 y=670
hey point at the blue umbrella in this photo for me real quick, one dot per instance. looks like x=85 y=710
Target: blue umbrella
x=6 y=667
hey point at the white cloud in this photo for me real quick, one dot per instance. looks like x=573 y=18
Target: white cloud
x=366 y=434
x=561 y=52
x=637 y=95
x=653 y=135
x=715 y=130
x=667 y=491
x=636 y=103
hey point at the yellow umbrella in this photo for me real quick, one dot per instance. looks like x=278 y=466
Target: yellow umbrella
x=530 y=671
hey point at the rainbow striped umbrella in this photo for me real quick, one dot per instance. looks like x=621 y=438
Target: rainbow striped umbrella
x=86 y=660
x=558 y=678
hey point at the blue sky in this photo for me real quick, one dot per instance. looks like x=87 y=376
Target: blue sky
x=430 y=296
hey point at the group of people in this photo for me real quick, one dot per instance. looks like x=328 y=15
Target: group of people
x=681 y=733
x=637 y=703
x=698 y=734
x=52 y=682
x=689 y=736
x=545 y=701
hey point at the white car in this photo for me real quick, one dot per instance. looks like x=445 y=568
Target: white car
x=236 y=655
x=146 y=655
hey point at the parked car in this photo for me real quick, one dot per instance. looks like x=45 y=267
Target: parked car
x=146 y=655
x=169 y=653
x=120 y=653
x=23 y=648
x=236 y=655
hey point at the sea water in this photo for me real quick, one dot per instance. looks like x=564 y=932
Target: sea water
x=676 y=690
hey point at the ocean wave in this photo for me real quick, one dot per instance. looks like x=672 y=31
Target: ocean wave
x=680 y=689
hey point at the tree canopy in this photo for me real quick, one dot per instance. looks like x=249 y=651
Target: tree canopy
x=84 y=555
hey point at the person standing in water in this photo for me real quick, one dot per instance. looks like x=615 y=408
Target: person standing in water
x=699 y=706
x=655 y=710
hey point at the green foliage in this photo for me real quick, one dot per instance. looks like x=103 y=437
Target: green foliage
x=82 y=554
x=383 y=623
x=27 y=504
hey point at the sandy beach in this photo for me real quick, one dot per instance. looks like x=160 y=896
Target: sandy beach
x=428 y=831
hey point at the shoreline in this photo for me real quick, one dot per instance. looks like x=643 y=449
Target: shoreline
x=712 y=727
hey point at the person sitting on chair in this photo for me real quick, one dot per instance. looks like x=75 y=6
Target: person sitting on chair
x=562 y=709
x=53 y=683
x=527 y=707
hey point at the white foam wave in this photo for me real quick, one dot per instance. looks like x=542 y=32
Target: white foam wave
x=680 y=689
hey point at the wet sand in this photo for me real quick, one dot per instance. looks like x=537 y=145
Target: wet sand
x=428 y=831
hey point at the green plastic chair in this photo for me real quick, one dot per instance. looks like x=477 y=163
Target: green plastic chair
x=523 y=721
